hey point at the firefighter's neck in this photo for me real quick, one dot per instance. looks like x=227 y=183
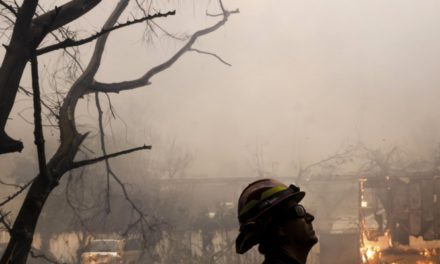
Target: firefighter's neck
x=299 y=253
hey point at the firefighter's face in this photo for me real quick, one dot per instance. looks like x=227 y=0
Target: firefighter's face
x=300 y=230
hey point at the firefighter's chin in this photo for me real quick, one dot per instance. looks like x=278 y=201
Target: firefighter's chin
x=313 y=238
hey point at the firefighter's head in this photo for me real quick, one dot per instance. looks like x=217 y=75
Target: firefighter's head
x=270 y=215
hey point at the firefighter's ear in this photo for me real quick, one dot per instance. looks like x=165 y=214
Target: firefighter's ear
x=282 y=235
x=281 y=231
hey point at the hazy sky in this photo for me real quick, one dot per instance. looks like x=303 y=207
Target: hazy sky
x=307 y=77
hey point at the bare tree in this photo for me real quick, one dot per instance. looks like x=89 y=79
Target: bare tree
x=175 y=159
x=28 y=32
x=327 y=164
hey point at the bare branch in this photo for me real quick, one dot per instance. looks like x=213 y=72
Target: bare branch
x=82 y=163
x=9 y=7
x=20 y=114
x=4 y=220
x=60 y=16
x=88 y=149
x=26 y=92
x=66 y=33
x=74 y=43
x=157 y=25
x=7 y=24
x=29 y=93
x=38 y=132
x=335 y=157
x=213 y=15
x=145 y=79
x=110 y=106
x=12 y=196
x=142 y=216
x=70 y=202
x=7 y=27
x=104 y=151
x=10 y=184
x=211 y=54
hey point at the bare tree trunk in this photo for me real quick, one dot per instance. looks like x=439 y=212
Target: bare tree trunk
x=27 y=218
x=27 y=33
x=26 y=221
x=16 y=57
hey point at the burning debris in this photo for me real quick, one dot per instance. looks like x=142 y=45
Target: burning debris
x=395 y=226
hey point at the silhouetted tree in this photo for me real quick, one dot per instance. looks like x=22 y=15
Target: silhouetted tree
x=29 y=31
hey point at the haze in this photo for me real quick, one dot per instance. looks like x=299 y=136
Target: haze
x=307 y=78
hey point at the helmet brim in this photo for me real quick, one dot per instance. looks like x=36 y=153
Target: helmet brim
x=296 y=196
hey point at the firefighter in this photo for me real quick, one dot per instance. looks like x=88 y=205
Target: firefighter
x=270 y=215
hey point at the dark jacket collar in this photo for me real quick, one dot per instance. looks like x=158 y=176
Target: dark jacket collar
x=279 y=257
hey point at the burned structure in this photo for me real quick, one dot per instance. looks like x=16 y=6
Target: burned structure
x=399 y=215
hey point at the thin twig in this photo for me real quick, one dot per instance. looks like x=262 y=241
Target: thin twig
x=9 y=7
x=82 y=163
x=211 y=54
x=4 y=220
x=20 y=114
x=336 y=156
x=12 y=196
x=213 y=15
x=10 y=184
x=104 y=151
x=6 y=28
x=70 y=203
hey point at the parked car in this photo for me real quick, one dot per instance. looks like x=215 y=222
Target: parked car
x=103 y=251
